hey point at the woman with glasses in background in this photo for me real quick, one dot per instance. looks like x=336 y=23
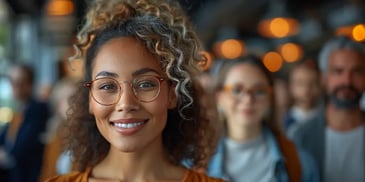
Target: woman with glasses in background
x=252 y=148
x=139 y=116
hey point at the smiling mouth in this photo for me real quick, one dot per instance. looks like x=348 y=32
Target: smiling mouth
x=128 y=125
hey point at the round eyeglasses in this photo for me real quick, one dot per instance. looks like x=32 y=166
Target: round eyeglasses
x=107 y=91
x=238 y=91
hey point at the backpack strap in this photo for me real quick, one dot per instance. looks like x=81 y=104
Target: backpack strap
x=291 y=156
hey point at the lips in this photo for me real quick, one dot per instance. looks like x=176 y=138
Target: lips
x=128 y=126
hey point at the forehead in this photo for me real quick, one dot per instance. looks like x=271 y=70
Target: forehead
x=303 y=71
x=124 y=55
x=18 y=74
x=346 y=58
x=246 y=74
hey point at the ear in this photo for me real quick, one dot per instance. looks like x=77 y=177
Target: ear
x=172 y=100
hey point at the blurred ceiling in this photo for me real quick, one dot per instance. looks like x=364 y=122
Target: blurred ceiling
x=243 y=16
x=219 y=19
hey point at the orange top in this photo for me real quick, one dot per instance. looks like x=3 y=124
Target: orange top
x=190 y=176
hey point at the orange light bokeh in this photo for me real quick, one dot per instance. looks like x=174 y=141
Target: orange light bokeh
x=343 y=31
x=60 y=7
x=291 y=52
x=273 y=61
x=358 y=33
x=278 y=27
x=230 y=48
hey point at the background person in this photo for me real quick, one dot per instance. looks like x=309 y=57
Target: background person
x=252 y=147
x=21 y=149
x=305 y=90
x=336 y=140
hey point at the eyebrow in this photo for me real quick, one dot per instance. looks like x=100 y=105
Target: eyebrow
x=135 y=73
x=106 y=74
x=143 y=71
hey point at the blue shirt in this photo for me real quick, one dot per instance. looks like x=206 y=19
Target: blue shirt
x=309 y=170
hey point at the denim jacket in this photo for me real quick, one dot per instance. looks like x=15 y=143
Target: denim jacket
x=309 y=172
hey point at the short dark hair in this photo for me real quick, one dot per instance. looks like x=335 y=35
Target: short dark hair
x=27 y=69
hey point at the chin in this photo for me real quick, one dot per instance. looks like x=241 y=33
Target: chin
x=126 y=147
x=249 y=121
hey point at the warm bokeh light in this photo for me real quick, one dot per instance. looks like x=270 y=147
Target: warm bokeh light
x=6 y=114
x=230 y=48
x=209 y=60
x=343 y=31
x=358 y=33
x=273 y=61
x=60 y=7
x=278 y=27
x=291 y=52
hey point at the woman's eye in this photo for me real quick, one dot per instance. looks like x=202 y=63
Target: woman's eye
x=145 y=85
x=108 y=86
x=260 y=91
x=236 y=90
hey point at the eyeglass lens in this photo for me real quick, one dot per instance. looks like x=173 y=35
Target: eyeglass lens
x=107 y=91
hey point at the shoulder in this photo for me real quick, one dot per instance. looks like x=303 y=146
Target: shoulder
x=37 y=106
x=35 y=102
x=193 y=176
x=309 y=129
x=71 y=177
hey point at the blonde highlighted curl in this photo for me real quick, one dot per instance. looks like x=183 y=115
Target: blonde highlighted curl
x=164 y=29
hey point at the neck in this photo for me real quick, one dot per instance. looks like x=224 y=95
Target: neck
x=343 y=119
x=306 y=107
x=244 y=133
x=147 y=165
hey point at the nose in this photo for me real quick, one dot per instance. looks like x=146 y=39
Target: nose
x=347 y=78
x=247 y=97
x=127 y=101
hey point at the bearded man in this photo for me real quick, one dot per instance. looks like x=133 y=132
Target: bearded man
x=336 y=139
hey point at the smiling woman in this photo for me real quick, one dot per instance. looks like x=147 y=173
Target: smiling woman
x=252 y=148
x=139 y=115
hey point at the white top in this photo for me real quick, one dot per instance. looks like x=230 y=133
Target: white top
x=344 y=155
x=249 y=161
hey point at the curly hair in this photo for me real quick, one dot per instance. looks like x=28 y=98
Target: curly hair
x=164 y=29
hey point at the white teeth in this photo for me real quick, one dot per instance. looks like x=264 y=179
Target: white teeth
x=127 y=125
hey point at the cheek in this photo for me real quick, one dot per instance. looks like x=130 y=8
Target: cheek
x=266 y=109
x=225 y=105
x=360 y=83
x=263 y=108
x=295 y=89
x=328 y=83
x=158 y=108
x=100 y=112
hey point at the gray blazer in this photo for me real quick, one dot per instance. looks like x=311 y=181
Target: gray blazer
x=311 y=137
